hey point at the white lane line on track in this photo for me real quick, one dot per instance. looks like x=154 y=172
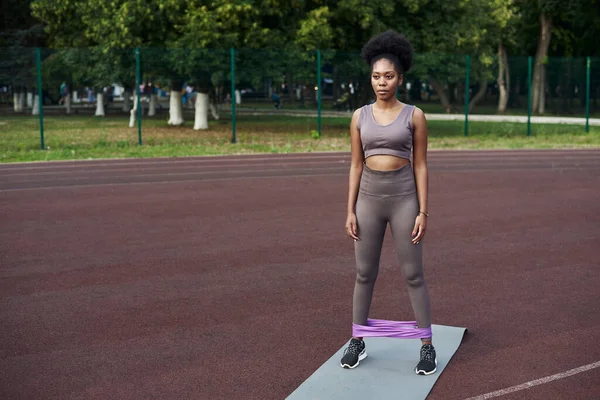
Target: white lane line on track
x=433 y=165
x=234 y=178
x=470 y=162
x=536 y=382
x=230 y=157
x=83 y=175
x=167 y=161
x=293 y=156
x=176 y=173
x=342 y=173
x=175 y=167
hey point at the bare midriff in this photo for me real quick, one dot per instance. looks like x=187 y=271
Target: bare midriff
x=384 y=162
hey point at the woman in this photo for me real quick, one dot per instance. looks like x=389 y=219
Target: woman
x=384 y=188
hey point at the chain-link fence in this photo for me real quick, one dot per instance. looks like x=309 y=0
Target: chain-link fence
x=233 y=94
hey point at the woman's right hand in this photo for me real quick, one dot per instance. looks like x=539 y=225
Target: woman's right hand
x=351 y=227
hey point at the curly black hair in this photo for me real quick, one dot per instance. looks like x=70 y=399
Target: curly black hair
x=392 y=46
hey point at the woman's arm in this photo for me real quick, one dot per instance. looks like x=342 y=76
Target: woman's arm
x=356 y=168
x=421 y=174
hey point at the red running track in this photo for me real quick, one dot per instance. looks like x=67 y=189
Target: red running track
x=232 y=277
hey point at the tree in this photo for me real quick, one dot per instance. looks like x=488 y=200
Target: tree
x=508 y=19
x=546 y=10
x=553 y=28
x=116 y=24
x=289 y=32
x=19 y=32
x=446 y=31
x=221 y=24
x=113 y=29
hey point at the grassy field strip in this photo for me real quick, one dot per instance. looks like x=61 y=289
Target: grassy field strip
x=78 y=137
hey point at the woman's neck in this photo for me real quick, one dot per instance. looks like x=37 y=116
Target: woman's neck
x=387 y=105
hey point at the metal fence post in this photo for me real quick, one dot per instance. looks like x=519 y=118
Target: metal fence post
x=319 y=91
x=587 y=93
x=38 y=59
x=233 y=96
x=467 y=85
x=138 y=80
x=529 y=72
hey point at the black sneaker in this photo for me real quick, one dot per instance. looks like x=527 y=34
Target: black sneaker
x=428 y=363
x=354 y=354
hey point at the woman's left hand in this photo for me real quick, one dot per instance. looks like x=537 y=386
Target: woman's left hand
x=419 y=229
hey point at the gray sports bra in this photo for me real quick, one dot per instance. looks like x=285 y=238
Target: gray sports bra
x=392 y=139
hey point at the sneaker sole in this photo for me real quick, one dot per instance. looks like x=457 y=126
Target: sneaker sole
x=361 y=357
x=421 y=372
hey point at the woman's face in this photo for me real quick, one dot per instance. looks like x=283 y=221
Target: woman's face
x=385 y=79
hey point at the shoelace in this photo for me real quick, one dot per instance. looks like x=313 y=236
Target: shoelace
x=353 y=348
x=427 y=354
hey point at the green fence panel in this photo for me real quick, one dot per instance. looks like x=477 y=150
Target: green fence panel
x=18 y=97
x=73 y=100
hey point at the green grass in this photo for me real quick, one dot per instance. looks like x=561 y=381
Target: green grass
x=84 y=137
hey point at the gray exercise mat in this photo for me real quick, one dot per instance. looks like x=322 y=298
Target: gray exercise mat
x=386 y=373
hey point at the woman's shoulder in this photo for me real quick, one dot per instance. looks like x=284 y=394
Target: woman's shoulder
x=364 y=107
x=416 y=117
x=416 y=112
x=408 y=106
x=359 y=115
x=413 y=108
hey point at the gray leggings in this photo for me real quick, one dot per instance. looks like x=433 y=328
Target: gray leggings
x=388 y=197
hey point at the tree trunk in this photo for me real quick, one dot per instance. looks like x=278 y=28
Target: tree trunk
x=439 y=89
x=35 y=110
x=213 y=110
x=152 y=106
x=68 y=103
x=503 y=79
x=133 y=112
x=175 y=108
x=540 y=57
x=218 y=94
x=126 y=101
x=479 y=95
x=201 y=120
x=29 y=99
x=454 y=94
x=99 y=105
x=16 y=102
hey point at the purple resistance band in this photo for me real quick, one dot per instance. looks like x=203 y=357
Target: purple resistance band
x=393 y=329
